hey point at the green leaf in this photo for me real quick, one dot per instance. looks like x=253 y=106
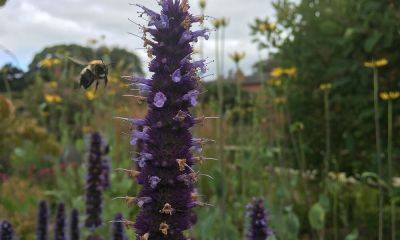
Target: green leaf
x=372 y=41
x=316 y=216
x=353 y=235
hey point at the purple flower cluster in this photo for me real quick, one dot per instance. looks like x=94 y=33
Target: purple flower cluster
x=118 y=228
x=165 y=160
x=258 y=229
x=95 y=181
x=6 y=231
x=74 y=225
x=59 y=229
x=42 y=221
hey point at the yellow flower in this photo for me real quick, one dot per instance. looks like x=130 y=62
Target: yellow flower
x=277 y=72
x=280 y=100
x=49 y=62
x=90 y=95
x=53 y=84
x=237 y=56
x=375 y=64
x=325 y=86
x=275 y=82
x=384 y=96
x=291 y=72
x=389 y=95
x=86 y=129
x=203 y=4
x=52 y=98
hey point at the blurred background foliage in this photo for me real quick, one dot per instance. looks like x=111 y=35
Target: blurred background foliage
x=274 y=138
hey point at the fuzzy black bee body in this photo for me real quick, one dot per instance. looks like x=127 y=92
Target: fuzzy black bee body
x=94 y=71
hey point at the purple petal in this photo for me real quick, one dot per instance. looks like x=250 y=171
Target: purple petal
x=177 y=76
x=159 y=99
x=191 y=97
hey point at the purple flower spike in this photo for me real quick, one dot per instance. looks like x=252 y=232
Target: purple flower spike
x=6 y=231
x=59 y=229
x=95 y=181
x=258 y=229
x=74 y=225
x=118 y=232
x=159 y=99
x=177 y=76
x=42 y=221
x=166 y=162
x=191 y=97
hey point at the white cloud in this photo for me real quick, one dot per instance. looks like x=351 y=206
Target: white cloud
x=26 y=26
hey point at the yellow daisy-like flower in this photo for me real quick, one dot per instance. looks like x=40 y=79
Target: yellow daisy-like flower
x=90 y=95
x=237 y=56
x=49 y=62
x=389 y=95
x=277 y=72
x=325 y=86
x=291 y=72
x=280 y=100
x=275 y=82
x=376 y=64
x=53 y=84
x=52 y=98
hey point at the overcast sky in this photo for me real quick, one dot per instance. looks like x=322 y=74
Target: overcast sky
x=26 y=26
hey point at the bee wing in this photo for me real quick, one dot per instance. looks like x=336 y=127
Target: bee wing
x=78 y=61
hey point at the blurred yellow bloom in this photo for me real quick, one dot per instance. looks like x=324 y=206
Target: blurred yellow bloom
x=375 y=64
x=220 y=22
x=52 y=98
x=325 y=86
x=203 y=4
x=277 y=72
x=265 y=26
x=280 y=100
x=86 y=129
x=396 y=182
x=389 y=95
x=275 y=82
x=291 y=72
x=49 y=62
x=90 y=95
x=237 y=56
x=53 y=84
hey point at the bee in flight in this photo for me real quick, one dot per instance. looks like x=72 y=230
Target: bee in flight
x=93 y=71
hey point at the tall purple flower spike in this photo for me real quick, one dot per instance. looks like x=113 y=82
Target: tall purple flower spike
x=258 y=229
x=118 y=232
x=42 y=221
x=165 y=162
x=59 y=229
x=6 y=231
x=95 y=181
x=74 y=225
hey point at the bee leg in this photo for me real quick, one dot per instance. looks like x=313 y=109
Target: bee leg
x=97 y=86
x=105 y=82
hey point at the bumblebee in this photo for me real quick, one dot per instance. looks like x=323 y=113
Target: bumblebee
x=94 y=71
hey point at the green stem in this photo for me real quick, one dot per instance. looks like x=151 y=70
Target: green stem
x=378 y=150
x=327 y=157
x=220 y=133
x=390 y=167
x=8 y=88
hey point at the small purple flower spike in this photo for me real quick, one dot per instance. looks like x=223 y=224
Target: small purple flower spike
x=74 y=225
x=165 y=162
x=95 y=181
x=118 y=232
x=59 y=229
x=42 y=221
x=258 y=229
x=6 y=231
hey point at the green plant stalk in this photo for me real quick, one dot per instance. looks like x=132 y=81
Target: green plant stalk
x=327 y=157
x=8 y=88
x=220 y=131
x=378 y=150
x=390 y=167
